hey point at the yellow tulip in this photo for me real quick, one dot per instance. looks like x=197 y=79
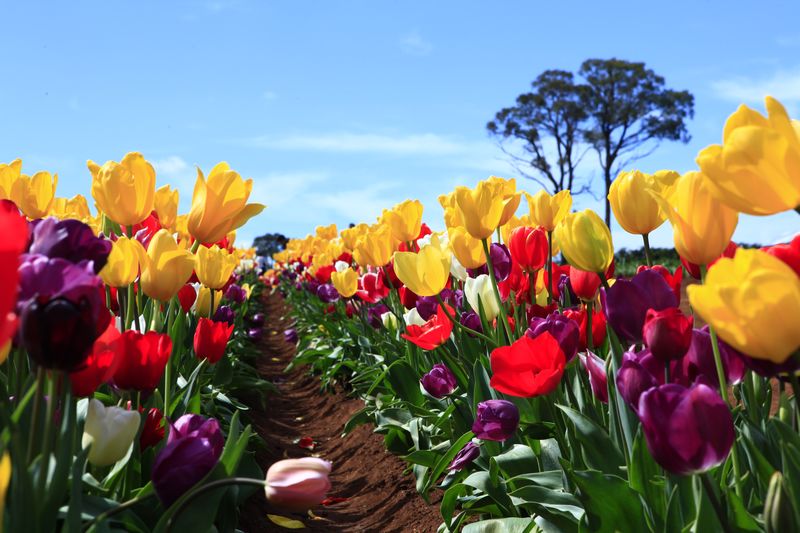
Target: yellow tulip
x=425 y=273
x=510 y=195
x=547 y=211
x=405 y=220
x=127 y=257
x=350 y=235
x=375 y=248
x=327 y=232
x=346 y=282
x=219 y=205
x=169 y=267
x=756 y=170
x=4 y=351
x=166 y=205
x=5 y=478
x=124 y=191
x=9 y=174
x=76 y=207
x=586 y=241
x=202 y=306
x=633 y=204
x=701 y=225
x=214 y=266
x=34 y=194
x=482 y=209
x=467 y=249
x=753 y=302
x=182 y=227
x=452 y=216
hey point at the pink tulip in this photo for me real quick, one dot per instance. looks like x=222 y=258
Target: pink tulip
x=298 y=484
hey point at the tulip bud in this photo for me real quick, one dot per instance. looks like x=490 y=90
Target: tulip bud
x=464 y=457
x=235 y=293
x=586 y=241
x=211 y=339
x=255 y=334
x=109 y=431
x=668 y=333
x=290 y=336
x=298 y=484
x=479 y=294
x=495 y=420
x=214 y=266
x=439 y=382
x=561 y=327
x=528 y=247
x=471 y=320
x=327 y=293
x=779 y=512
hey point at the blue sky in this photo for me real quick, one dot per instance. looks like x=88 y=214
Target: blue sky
x=338 y=109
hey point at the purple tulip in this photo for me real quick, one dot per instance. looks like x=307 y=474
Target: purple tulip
x=564 y=330
x=61 y=309
x=598 y=379
x=255 y=334
x=290 y=336
x=465 y=456
x=565 y=290
x=327 y=293
x=312 y=286
x=501 y=262
x=374 y=315
x=471 y=320
x=224 y=313
x=688 y=430
x=71 y=240
x=439 y=382
x=626 y=302
x=193 y=448
x=699 y=361
x=235 y=293
x=258 y=319
x=427 y=306
x=495 y=420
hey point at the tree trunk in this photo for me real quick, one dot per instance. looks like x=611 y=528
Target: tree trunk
x=607 y=172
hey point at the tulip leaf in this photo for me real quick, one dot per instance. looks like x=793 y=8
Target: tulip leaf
x=495 y=488
x=501 y=525
x=288 y=523
x=405 y=383
x=519 y=459
x=448 y=505
x=444 y=461
x=610 y=504
x=643 y=474
x=599 y=451
x=544 y=501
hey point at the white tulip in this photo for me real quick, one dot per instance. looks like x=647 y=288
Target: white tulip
x=480 y=289
x=109 y=431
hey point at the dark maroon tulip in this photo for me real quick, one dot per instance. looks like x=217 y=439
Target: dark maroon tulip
x=567 y=296
x=471 y=320
x=626 y=302
x=439 y=382
x=501 y=262
x=235 y=293
x=598 y=379
x=258 y=319
x=374 y=315
x=564 y=330
x=327 y=293
x=688 y=430
x=427 y=305
x=71 y=240
x=255 y=334
x=495 y=420
x=224 y=313
x=465 y=456
x=634 y=377
x=699 y=362
x=290 y=336
x=312 y=286
x=193 y=448
x=668 y=333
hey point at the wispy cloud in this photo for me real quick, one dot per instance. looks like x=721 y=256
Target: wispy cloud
x=414 y=144
x=415 y=45
x=175 y=171
x=269 y=95
x=783 y=85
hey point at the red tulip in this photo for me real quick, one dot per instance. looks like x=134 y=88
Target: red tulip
x=673 y=280
x=529 y=367
x=694 y=270
x=598 y=325
x=143 y=357
x=323 y=273
x=14 y=241
x=528 y=247
x=668 y=333
x=788 y=253
x=407 y=297
x=558 y=270
x=433 y=333
x=186 y=296
x=210 y=339
x=101 y=364
x=371 y=287
x=584 y=284
x=517 y=281
x=153 y=428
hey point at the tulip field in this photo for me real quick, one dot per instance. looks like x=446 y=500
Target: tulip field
x=524 y=384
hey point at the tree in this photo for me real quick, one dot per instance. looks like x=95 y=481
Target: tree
x=270 y=243
x=553 y=110
x=629 y=108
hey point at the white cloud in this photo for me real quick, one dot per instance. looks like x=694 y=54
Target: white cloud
x=783 y=85
x=280 y=189
x=413 y=44
x=269 y=95
x=414 y=144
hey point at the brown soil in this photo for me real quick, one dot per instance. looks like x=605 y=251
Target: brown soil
x=380 y=496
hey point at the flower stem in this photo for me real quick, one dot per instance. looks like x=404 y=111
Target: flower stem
x=502 y=307
x=647 y=256
x=462 y=326
x=116 y=510
x=712 y=497
x=37 y=406
x=199 y=491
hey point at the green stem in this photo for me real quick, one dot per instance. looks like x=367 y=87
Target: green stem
x=131 y=317
x=116 y=510
x=647 y=256
x=502 y=307
x=712 y=497
x=796 y=390
x=37 y=406
x=211 y=302
x=461 y=326
x=199 y=491
x=47 y=441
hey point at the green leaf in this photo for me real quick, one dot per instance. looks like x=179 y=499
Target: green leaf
x=539 y=500
x=496 y=489
x=644 y=472
x=610 y=504
x=444 y=461
x=405 y=383
x=597 y=449
x=519 y=459
x=501 y=525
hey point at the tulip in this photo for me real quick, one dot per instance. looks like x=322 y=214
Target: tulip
x=688 y=430
x=788 y=253
x=143 y=357
x=346 y=282
x=495 y=420
x=290 y=336
x=529 y=367
x=389 y=320
x=76 y=207
x=109 y=431
x=350 y=236
x=124 y=191
x=152 y=429
x=9 y=174
x=126 y=259
x=586 y=241
x=69 y=239
x=501 y=263
x=564 y=330
x=626 y=302
x=467 y=250
x=483 y=209
x=255 y=334
x=699 y=362
x=298 y=484
x=14 y=241
x=375 y=247
x=211 y=339
x=752 y=301
x=702 y=226
x=580 y=317
x=202 y=304
x=193 y=448
x=584 y=284
x=404 y=220
x=5 y=478
x=235 y=293
x=528 y=247
x=598 y=377
x=426 y=273
x=464 y=457
x=674 y=280
x=371 y=287
x=439 y=382
x=165 y=203
x=186 y=297
x=219 y=205
x=668 y=333
x=431 y=333
x=479 y=293
x=168 y=268
x=755 y=171
x=511 y=197
x=632 y=200
x=471 y=320
x=328 y=293
x=99 y=366
x=224 y=314
x=34 y=194
x=548 y=211
x=214 y=266
x=634 y=378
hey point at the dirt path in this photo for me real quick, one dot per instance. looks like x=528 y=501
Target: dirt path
x=380 y=497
